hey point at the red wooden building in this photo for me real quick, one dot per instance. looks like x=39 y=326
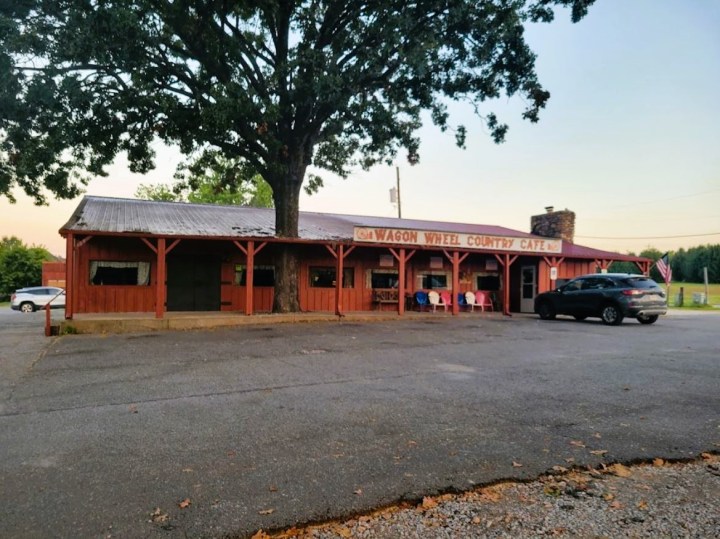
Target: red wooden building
x=141 y=256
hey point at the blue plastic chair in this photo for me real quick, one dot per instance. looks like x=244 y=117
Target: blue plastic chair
x=421 y=300
x=461 y=300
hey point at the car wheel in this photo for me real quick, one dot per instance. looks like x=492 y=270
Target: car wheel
x=580 y=317
x=27 y=307
x=648 y=319
x=611 y=315
x=546 y=311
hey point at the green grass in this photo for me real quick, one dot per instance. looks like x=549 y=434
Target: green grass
x=4 y=304
x=689 y=289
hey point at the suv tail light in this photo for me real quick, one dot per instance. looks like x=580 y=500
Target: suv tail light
x=632 y=292
x=12 y=297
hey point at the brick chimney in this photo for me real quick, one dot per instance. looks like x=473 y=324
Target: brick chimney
x=554 y=224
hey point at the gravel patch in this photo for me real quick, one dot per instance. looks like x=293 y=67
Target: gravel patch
x=650 y=500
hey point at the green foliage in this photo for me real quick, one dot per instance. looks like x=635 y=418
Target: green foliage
x=20 y=265
x=687 y=265
x=160 y=192
x=212 y=179
x=276 y=86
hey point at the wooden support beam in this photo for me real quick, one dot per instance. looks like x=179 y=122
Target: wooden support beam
x=331 y=249
x=455 y=283
x=69 y=274
x=401 y=282
x=249 y=278
x=147 y=242
x=160 y=280
x=171 y=246
x=83 y=241
x=340 y=259
x=240 y=246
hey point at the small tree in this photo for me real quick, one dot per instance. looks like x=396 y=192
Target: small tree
x=20 y=265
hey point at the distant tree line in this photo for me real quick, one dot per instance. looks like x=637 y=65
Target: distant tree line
x=687 y=264
x=20 y=265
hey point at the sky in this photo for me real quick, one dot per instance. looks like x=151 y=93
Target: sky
x=629 y=141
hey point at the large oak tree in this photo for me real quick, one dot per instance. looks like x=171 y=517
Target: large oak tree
x=277 y=84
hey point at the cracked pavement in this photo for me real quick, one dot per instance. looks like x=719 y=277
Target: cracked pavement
x=269 y=426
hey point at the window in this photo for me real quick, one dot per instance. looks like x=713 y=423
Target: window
x=488 y=282
x=384 y=279
x=573 y=286
x=262 y=275
x=430 y=281
x=103 y=272
x=324 y=277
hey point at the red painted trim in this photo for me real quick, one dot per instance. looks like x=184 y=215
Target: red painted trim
x=249 y=278
x=152 y=247
x=332 y=252
x=69 y=284
x=455 y=283
x=83 y=241
x=160 y=279
x=401 y=282
x=172 y=246
x=340 y=257
x=239 y=246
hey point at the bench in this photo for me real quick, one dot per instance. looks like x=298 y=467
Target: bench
x=381 y=296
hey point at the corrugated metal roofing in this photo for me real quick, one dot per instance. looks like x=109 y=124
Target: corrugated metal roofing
x=177 y=219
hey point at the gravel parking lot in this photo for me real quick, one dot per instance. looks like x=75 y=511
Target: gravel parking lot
x=222 y=433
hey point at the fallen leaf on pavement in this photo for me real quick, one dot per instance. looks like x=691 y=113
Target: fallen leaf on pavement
x=599 y=452
x=428 y=503
x=260 y=535
x=184 y=504
x=266 y=512
x=642 y=505
x=517 y=465
x=158 y=515
x=357 y=492
x=616 y=505
x=132 y=409
x=559 y=469
x=706 y=456
x=273 y=488
x=577 y=443
x=658 y=463
x=620 y=470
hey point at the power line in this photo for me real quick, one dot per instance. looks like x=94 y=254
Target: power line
x=649 y=237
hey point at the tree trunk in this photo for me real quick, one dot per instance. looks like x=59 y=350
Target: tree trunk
x=286 y=194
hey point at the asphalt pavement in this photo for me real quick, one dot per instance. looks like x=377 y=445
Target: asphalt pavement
x=220 y=433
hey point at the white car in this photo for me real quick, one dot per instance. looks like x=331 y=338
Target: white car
x=33 y=298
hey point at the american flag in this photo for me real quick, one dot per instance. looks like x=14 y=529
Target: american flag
x=663 y=266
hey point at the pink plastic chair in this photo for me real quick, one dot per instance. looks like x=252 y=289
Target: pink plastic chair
x=482 y=299
x=436 y=300
x=445 y=299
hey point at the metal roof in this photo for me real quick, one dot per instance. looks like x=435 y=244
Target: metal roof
x=104 y=215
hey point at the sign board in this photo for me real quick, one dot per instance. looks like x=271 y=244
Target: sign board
x=457 y=240
x=553 y=273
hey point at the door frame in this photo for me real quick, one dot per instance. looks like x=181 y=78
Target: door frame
x=527 y=305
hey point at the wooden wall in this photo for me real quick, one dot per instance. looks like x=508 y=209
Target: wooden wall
x=102 y=298
x=53 y=274
x=91 y=298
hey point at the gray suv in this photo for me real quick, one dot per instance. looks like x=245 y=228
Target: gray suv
x=608 y=296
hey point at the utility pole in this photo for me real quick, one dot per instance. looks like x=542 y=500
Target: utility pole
x=395 y=193
x=397 y=173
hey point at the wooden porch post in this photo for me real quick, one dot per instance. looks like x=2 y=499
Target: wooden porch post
x=160 y=280
x=401 y=282
x=249 y=253
x=506 y=262
x=456 y=260
x=402 y=257
x=339 y=259
x=250 y=279
x=69 y=274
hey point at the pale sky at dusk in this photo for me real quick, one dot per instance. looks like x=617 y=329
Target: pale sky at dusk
x=630 y=141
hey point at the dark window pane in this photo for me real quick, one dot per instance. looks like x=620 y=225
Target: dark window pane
x=384 y=280
x=324 y=277
x=434 y=281
x=115 y=276
x=488 y=282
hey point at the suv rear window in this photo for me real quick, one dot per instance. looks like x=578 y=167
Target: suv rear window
x=641 y=282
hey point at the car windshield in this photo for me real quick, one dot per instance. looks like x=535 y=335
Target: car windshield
x=641 y=282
